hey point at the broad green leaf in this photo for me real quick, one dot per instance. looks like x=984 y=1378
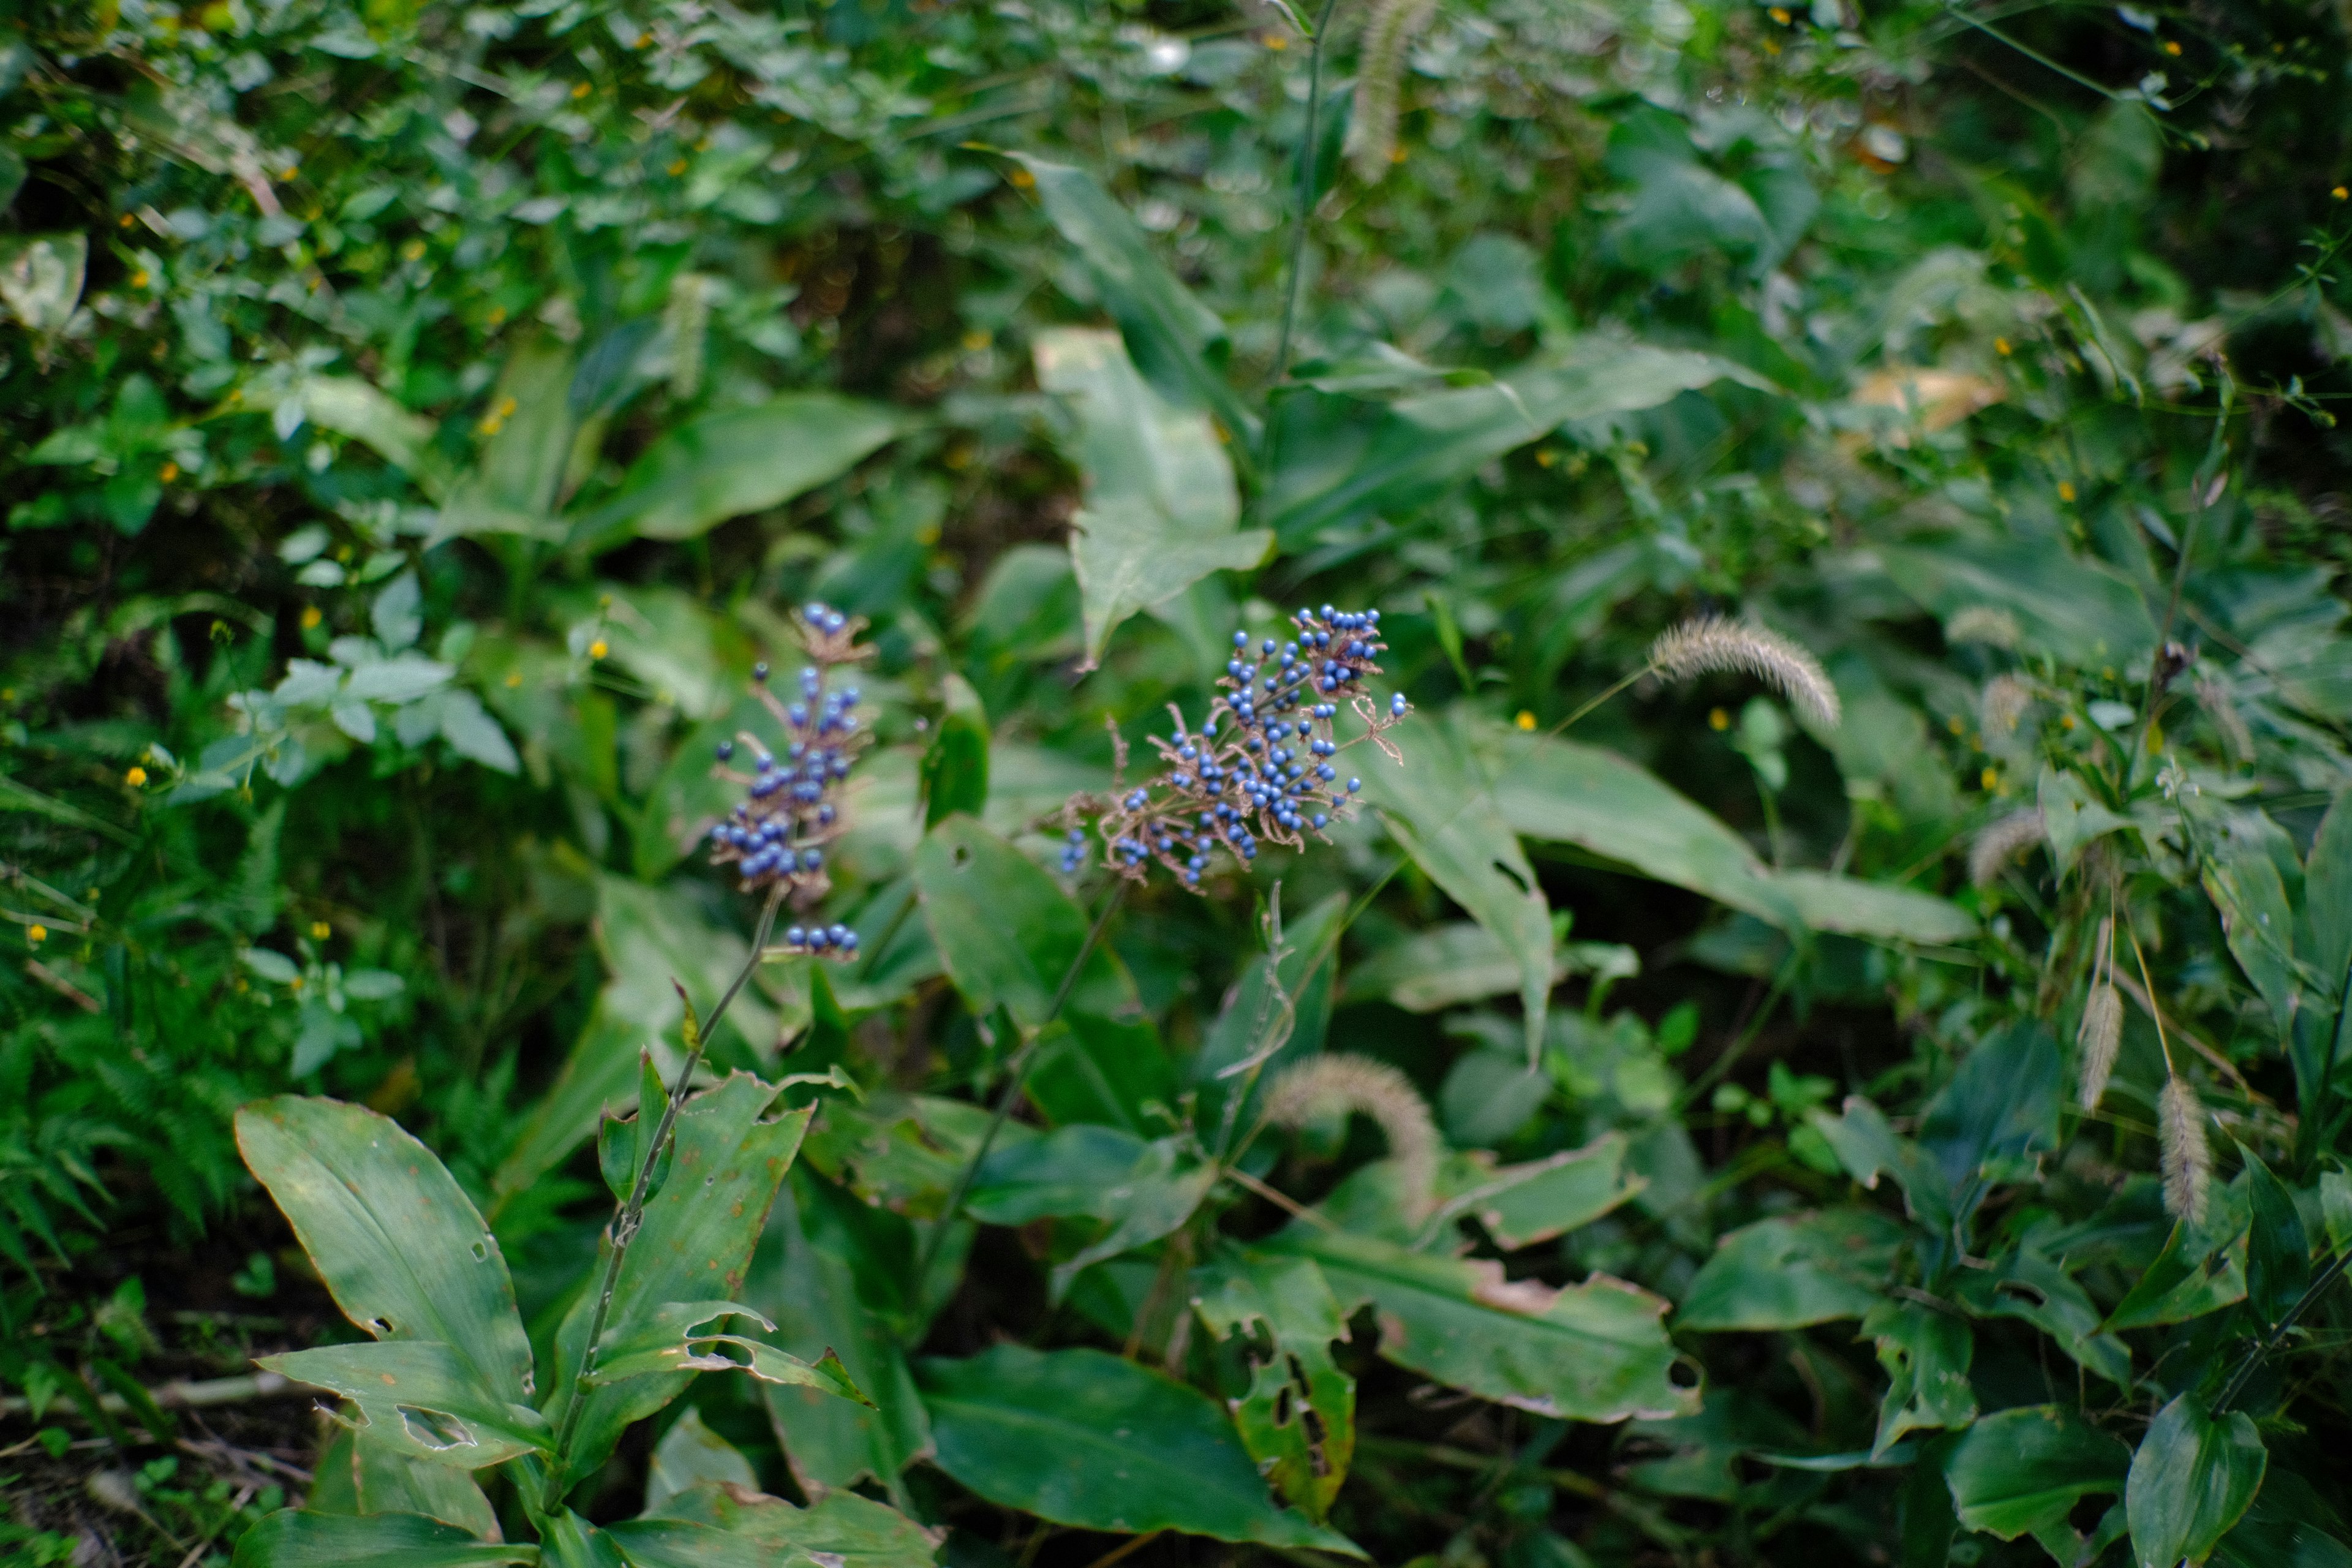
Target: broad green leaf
x=671 y=1337
x=739 y=460
x=522 y=467
x=685 y=653
x=906 y=1152
x=1443 y=966
x=1112 y=1070
x=41 y=278
x=2278 y=1256
x=694 y=1246
x=2327 y=899
x=1925 y=1351
x=2025 y=1284
x=1789 y=1272
x=2021 y=1472
x=840 y=1530
x=1594 y=1352
x=1007 y=933
x=568 y=1541
x=1087 y=1439
x=1440 y=805
x=690 y=1454
x=1997 y=1114
x=350 y=407
x=2290 y=1526
x=1522 y=1204
x=1141 y=1191
x=1298 y=1418
x=1852 y=907
x=835 y=1275
x=399 y=1244
x=423 y=1398
x=291 y=1539
x=2192 y=1477
x=1564 y=792
x=1868 y=1147
x=2243 y=882
x=385 y=1476
x=1412 y=450
x=1177 y=341
x=1161 y=502
x=2080 y=611
x=954 y=770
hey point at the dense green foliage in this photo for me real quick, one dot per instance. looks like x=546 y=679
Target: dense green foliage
x=1677 y=1117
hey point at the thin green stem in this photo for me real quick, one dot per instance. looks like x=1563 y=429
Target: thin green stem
x=2303 y=1303
x=627 y=1224
x=1017 y=1078
x=1597 y=702
x=1308 y=159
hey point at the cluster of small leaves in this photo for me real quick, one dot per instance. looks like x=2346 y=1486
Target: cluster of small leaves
x=1261 y=768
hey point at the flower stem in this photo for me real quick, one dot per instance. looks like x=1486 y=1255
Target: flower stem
x=2303 y=1304
x=632 y=1217
x=1308 y=159
x=1018 y=1076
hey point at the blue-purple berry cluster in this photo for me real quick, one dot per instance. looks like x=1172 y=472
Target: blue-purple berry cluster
x=776 y=836
x=1261 y=768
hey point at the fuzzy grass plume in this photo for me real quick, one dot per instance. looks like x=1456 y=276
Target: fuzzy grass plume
x=2003 y=704
x=2100 y=1037
x=1337 y=1084
x=1380 y=73
x=1984 y=623
x=1715 y=644
x=2187 y=1162
x=2002 y=842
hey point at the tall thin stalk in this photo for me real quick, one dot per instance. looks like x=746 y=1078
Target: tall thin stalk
x=2303 y=1303
x=627 y=1224
x=1308 y=160
x=1017 y=1076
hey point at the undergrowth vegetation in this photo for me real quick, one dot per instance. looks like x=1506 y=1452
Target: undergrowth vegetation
x=1509 y=783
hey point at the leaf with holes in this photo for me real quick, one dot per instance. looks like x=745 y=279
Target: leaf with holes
x=399 y=1244
x=1594 y=1352
x=696 y=1242
x=1925 y=1353
x=1297 y=1418
x=423 y=1398
x=2021 y=1472
x=833 y=1272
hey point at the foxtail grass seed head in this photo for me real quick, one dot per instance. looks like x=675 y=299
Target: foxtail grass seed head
x=2003 y=704
x=792 y=809
x=2187 y=1162
x=1714 y=644
x=2101 y=1035
x=1984 y=623
x=1337 y=1084
x=2001 y=842
x=2214 y=697
x=1264 y=766
x=1389 y=33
